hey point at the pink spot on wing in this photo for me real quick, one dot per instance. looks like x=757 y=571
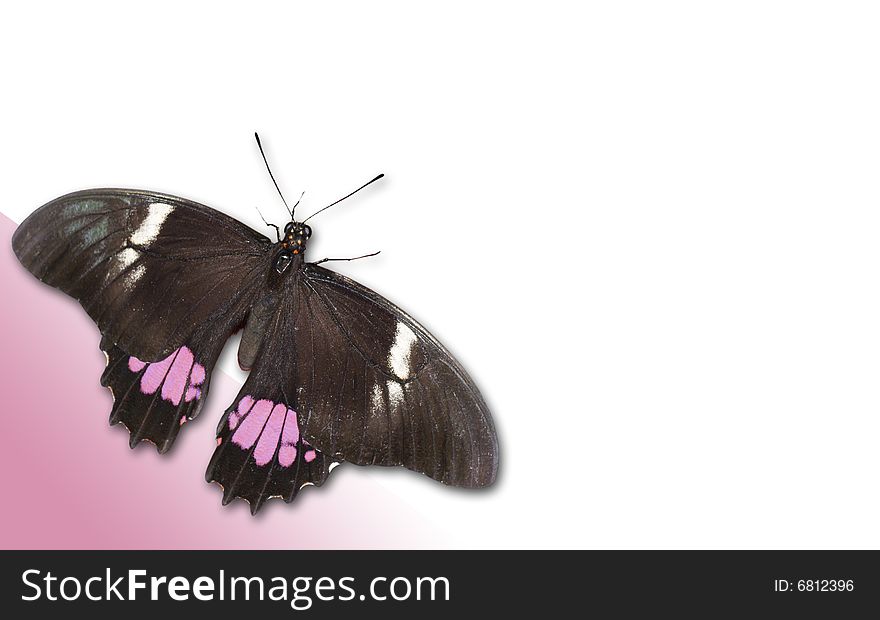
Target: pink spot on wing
x=197 y=376
x=289 y=437
x=286 y=455
x=155 y=375
x=268 y=441
x=179 y=376
x=267 y=426
x=251 y=426
x=244 y=405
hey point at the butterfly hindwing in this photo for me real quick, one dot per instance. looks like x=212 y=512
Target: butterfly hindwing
x=154 y=399
x=261 y=454
x=375 y=388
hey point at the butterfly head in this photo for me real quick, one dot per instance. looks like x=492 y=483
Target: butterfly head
x=296 y=235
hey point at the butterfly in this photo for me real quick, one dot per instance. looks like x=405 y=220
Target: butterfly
x=337 y=373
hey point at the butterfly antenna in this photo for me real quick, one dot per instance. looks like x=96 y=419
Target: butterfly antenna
x=343 y=198
x=324 y=260
x=277 y=230
x=272 y=176
x=296 y=205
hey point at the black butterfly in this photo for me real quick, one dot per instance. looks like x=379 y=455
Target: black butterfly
x=337 y=372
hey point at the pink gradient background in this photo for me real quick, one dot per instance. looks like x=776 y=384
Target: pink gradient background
x=71 y=482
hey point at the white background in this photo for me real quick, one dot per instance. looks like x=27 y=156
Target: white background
x=648 y=229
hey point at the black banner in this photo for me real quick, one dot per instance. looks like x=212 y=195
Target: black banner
x=438 y=583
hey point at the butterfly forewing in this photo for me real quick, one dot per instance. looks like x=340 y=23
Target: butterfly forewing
x=150 y=269
x=375 y=388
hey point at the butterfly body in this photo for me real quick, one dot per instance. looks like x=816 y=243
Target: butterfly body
x=337 y=372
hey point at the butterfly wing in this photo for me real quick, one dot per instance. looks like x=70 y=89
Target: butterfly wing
x=166 y=280
x=375 y=388
x=261 y=452
x=148 y=268
x=153 y=400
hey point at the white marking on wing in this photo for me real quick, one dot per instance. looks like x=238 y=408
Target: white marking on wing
x=376 y=397
x=126 y=257
x=123 y=260
x=401 y=351
x=149 y=228
x=395 y=393
x=135 y=275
